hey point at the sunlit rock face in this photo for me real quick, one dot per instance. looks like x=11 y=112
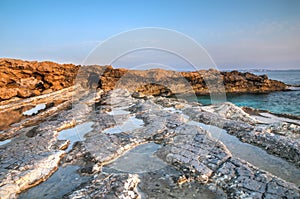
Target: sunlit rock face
x=30 y=78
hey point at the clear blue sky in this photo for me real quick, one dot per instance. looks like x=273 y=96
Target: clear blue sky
x=237 y=34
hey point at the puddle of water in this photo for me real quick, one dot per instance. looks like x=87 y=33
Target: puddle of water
x=4 y=142
x=254 y=155
x=116 y=111
x=64 y=180
x=141 y=159
x=162 y=184
x=130 y=124
x=158 y=179
x=76 y=133
x=35 y=110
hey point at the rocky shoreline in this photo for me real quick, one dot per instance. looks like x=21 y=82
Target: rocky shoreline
x=30 y=78
x=101 y=132
x=99 y=138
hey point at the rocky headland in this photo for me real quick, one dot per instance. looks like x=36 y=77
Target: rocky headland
x=30 y=78
x=78 y=135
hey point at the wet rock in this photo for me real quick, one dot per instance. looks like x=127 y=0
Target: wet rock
x=105 y=148
x=194 y=150
x=206 y=160
x=163 y=183
x=272 y=143
x=160 y=124
x=63 y=181
x=142 y=106
x=230 y=111
x=27 y=171
x=241 y=180
x=35 y=153
x=13 y=117
x=285 y=129
x=109 y=186
x=194 y=158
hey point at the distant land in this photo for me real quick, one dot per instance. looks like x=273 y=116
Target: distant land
x=261 y=70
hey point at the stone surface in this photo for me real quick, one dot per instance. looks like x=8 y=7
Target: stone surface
x=285 y=129
x=27 y=162
x=123 y=186
x=230 y=111
x=241 y=180
x=193 y=160
x=259 y=135
x=30 y=78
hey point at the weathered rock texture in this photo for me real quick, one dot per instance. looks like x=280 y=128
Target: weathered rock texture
x=30 y=78
x=284 y=143
x=165 y=82
x=188 y=154
x=110 y=186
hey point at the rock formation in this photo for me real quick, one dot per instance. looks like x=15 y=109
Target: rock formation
x=193 y=162
x=30 y=78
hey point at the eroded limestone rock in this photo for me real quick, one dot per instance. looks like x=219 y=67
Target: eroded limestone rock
x=239 y=179
x=123 y=186
x=258 y=135
x=230 y=111
x=35 y=151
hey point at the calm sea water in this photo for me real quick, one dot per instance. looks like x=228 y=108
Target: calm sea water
x=277 y=102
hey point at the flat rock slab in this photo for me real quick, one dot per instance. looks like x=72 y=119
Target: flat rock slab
x=110 y=186
x=193 y=159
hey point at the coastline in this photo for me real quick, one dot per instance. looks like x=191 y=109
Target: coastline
x=183 y=131
x=30 y=78
x=101 y=135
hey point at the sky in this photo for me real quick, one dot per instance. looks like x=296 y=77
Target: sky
x=237 y=34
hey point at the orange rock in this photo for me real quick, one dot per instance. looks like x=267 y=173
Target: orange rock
x=29 y=78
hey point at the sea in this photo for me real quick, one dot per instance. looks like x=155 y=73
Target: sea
x=283 y=102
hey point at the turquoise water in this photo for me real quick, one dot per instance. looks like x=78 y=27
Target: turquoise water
x=286 y=76
x=277 y=102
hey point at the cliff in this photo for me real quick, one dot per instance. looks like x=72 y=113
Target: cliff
x=30 y=78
